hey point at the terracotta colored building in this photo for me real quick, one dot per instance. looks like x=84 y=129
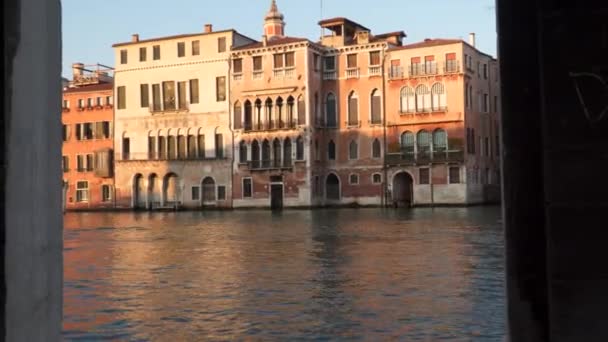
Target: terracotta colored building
x=87 y=116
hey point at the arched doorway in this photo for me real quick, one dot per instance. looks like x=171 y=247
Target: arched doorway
x=170 y=190
x=139 y=192
x=208 y=187
x=332 y=188
x=403 y=190
x=153 y=191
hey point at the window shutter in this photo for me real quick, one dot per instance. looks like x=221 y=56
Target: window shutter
x=301 y=111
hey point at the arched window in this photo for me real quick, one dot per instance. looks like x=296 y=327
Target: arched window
x=331 y=150
x=276 y=149
x=440 y=140
x=268 y=114
x=353 y=150
x=290 y=112
x=181 y=147
x=237 y=115
x=257 y=121
x=423 y=98
x=300 y=148
x=162 y=148
x=408 y=100
x=208 y=189
x=376 y=101
x=172 y=147
x=255 y=154
x=331 y=111
x=242 y=152
x=248 y=116
x=287 y=152
x=332 y=187
x=318 y=117
x=376 y=149
x=353 y=109
x=438 y=97
x=279 y=115
x=201 y=146
x=407 y=142
x=423 y=140
x=301 y=110
x=191 y=146
x=266 y=154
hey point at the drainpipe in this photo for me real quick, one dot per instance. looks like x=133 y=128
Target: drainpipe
x=384 y=198
x=230 y=113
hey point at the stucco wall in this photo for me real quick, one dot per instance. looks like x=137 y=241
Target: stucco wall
x=33 y=243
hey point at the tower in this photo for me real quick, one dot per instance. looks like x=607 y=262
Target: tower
x=274 y=26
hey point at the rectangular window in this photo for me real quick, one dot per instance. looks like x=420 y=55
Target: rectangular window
x=90 y=162
x=257 y=63
x=196 y=47
x=221 y=193
x=181 y=95
x=454 y=175
x=220 y=88
x=351 y=60
x=315 y=59
x=247 y=188
x=219 y=146
x=109 y=100
x=82 y=191
x=329 y=63
x=156 y=97
x=80 y=163
x=89 y=102
x=144 y=95
x=88 y=131
x=123 y=56
x=98 y=101
x=78 y=131
x=194 y=91
x=221 y=44
x=485 y=71
x=424 y=175
x=429 y=65
x=156 y=52
x=106 y=193
x=374 y=58
x=290 y=60
x=121 y=92
x=196 y=193
x=143 y=54
x=181 y=49
x=66 y=132
x=278 y=61
x=151 y=148
x=169 y=95
x=80 y=103
x=486 y=105
x=66 y=104
x=237 y=66
x=65 y=163
x=353 y=179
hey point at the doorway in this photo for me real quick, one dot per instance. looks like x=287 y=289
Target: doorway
x=276 y=196
x=403 y=187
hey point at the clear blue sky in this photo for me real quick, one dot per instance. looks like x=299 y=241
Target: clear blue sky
x=91 y=27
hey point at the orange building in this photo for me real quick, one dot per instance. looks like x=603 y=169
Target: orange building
x=87 y=117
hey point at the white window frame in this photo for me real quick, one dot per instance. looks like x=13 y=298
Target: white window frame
x=372 y=178
x=349 y=179
x=110 y=195
x=85 y=190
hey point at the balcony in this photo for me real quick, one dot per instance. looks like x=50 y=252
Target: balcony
x=278 y=73
x=417 y=70
x=258 y=75
x=270 y=165
x=396 y=73
x=169 y=108
x=451 y=67
x=269 y=126
x=237 y=76
x=374 y=71
x=151 y=156
x=422 y=158
x=352 y=73
x=290 y=73
x=330 y=75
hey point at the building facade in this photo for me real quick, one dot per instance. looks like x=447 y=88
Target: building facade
x=173 y=134
x=88 y=144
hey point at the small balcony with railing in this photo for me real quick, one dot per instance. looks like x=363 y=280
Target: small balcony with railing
x=257 y=74
x=396 y=73
x=427 y=69
x=409 y=157
x=272 y=125
x=374 y=70
x=330 y=75
x=166 y=156
x=237 y=76
x=352 y=73
x=169 y=107
x=451 y=67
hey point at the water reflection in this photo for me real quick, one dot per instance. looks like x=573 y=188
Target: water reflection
x=369 y=274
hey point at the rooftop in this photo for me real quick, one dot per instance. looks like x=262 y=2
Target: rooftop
x=327 y=23
x=271 y=42
x=188 y=35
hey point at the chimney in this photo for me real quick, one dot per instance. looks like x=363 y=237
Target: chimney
x=472 y=39
x=265 y=40
x=134 y=38
x=77 y=69
x=208 y=28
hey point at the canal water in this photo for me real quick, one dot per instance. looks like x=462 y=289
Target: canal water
x=348 y=274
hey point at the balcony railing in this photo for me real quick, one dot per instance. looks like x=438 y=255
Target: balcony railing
x=395 y=73
x=426 y=157
x=451 y=67
x=374 y=71
x=258 y=75
x=278 y=73
x=237 y=76
x=352 y=73
x=290 y=73
x=172 y=108
x=148 y=156
x=269 y=126
x=269 y=165
x=330 y=75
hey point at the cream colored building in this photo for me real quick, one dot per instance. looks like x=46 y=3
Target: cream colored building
x=172 y=122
